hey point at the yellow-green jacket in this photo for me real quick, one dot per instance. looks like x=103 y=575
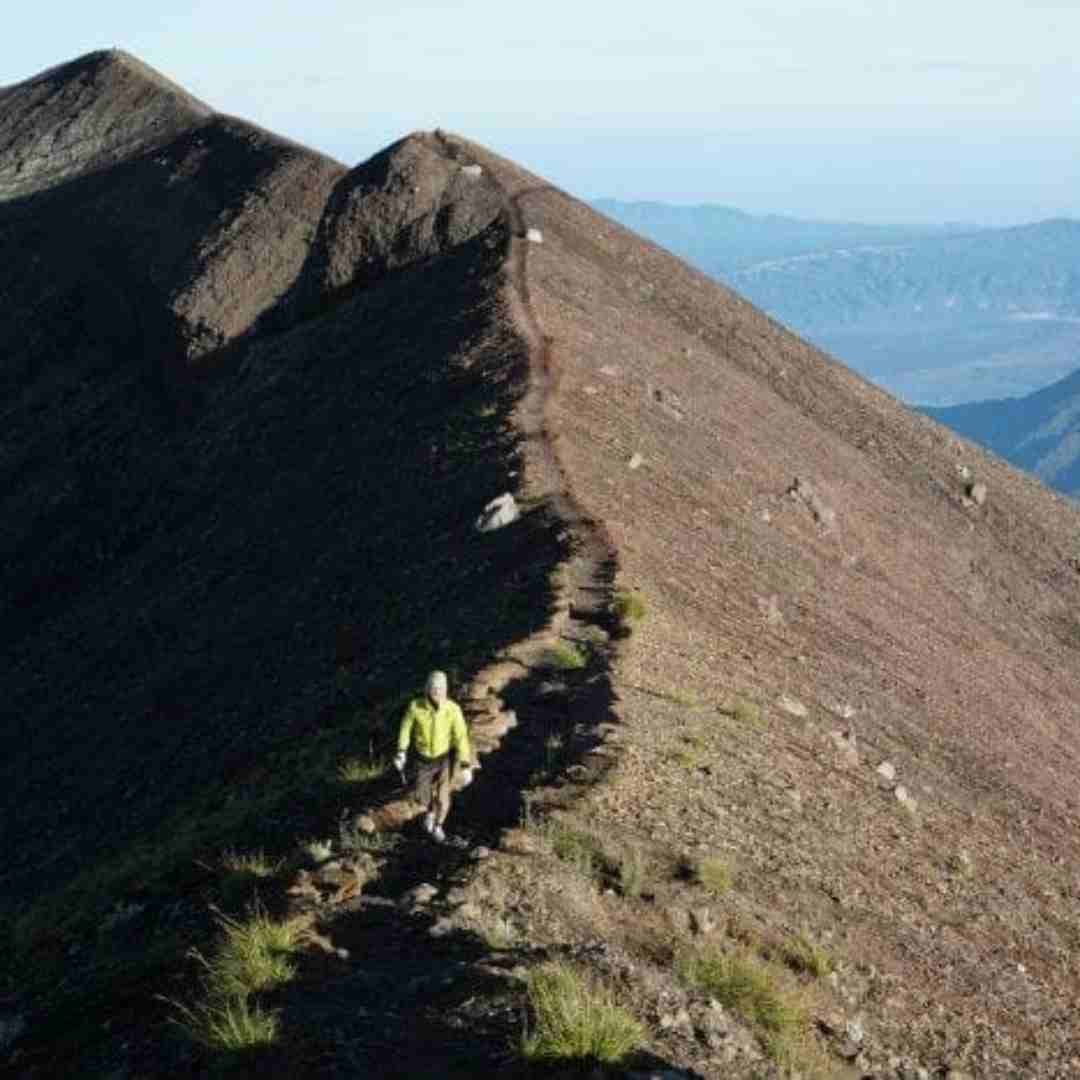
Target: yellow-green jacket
x=433 y=731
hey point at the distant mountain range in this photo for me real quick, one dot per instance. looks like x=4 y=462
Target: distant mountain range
x=938 y=315
x=1039 y=432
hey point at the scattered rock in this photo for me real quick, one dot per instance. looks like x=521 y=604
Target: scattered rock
x=611 y=371
x=636 y=461
x=963 y=472
x=501 y=511
x=846 y=744
x=977 y=493
x=905 y=798
x=770 y=610
x=474 y=172
x=680 y=1019
x=669 y=402
x=793 y=707
x=701 y=921
x=418 y=896
x=534 y=236
x=807 y=494
x=886 y=775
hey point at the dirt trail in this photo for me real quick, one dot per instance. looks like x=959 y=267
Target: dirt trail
x=393 y=963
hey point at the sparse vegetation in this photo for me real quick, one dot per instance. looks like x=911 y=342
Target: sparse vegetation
x=710 y=872
x=250 y=957
x=803 y=955
x=579 y=849
x=633 y=871
x=745 y=712
x=357 y=770
x=750 y=988
x=565 y=656
x=629 y=608
x=576 y=1020
x=230 y=1025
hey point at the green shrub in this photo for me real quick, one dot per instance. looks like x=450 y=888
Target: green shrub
x=576 y=1020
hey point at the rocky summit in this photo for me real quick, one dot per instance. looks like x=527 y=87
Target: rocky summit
x=774 y=682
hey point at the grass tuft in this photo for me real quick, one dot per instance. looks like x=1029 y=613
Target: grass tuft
x=744 y=984
x=633 y=872
x=357 y=770
x=576 y=1020
x=745 y=712
x=250 y=956
x=629 y=607
x=230 y=1024
x=565 y=656
x=712 y=873
x=805 y=956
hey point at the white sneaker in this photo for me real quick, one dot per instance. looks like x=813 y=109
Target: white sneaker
x=438 y=835
x=429 y=823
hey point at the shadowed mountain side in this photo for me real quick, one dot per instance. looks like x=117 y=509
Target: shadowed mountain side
x=872 y=594
x=175 y=596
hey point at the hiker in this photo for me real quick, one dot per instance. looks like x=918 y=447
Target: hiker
x=435 y=726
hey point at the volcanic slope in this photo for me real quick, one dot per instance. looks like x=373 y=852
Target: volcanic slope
x=253 y=403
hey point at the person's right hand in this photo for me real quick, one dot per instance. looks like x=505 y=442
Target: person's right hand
x=399 y=761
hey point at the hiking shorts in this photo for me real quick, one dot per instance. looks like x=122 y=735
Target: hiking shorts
x=433 y=784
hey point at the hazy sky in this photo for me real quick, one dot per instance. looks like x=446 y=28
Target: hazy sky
x=876 y=110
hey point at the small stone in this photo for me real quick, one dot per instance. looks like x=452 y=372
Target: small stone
x=472 y=171
x=611 y=371
x=905 y=798
x=501 y=511
x=887 y=770
x=701 y=921
x=534 y=236
x=421 y=894
x=977 y=493
x=793 y=707
x=636 y=461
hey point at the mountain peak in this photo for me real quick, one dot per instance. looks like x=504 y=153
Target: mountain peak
x=88 y=114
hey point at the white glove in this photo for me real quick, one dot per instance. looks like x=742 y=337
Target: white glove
x=399 y=761
x=467 y=775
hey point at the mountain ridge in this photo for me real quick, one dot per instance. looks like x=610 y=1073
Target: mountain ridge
x=224 y=586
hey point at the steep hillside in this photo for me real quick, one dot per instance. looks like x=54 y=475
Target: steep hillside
x=774 y=681
x=1039 y=432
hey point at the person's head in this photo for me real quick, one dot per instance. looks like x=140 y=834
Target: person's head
x=436 y=687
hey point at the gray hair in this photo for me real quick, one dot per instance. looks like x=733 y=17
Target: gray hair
x=436 y=679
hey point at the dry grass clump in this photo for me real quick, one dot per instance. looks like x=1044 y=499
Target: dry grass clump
x=576 y=1020
x=250 y=957
x=749 y=987
x=231 y=1025
x=709 y=871
x=359 y=770
x=629 y=608
x=565 y=656
x=745 y=712
x=805 y=956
